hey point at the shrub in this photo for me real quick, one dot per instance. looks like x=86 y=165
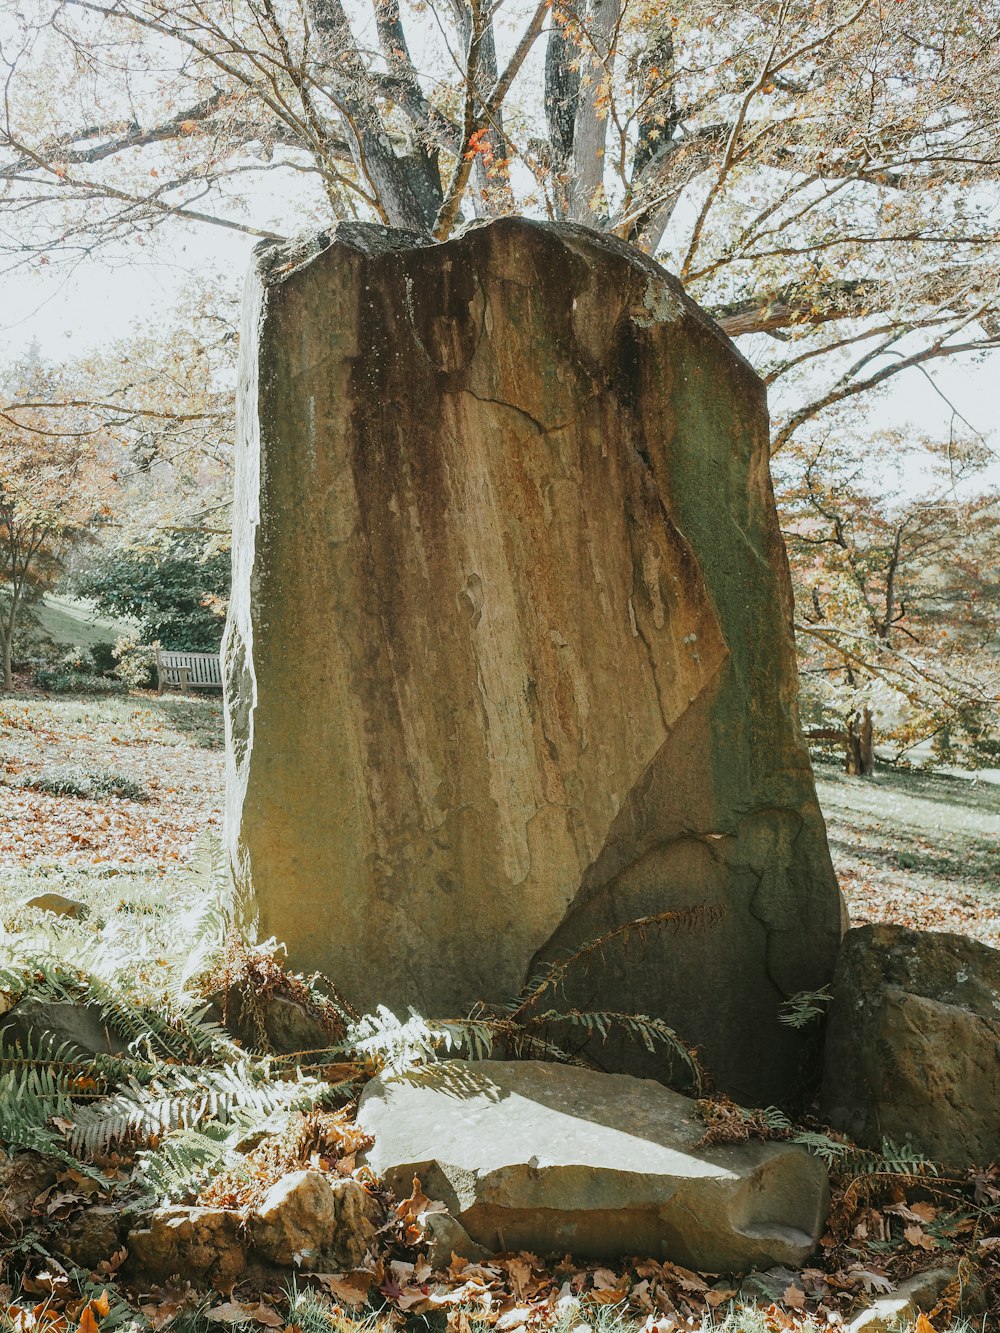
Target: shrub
x=175 y=588
x=103 y=655
x=78 y=660
x=64 y=680
x=135 y=663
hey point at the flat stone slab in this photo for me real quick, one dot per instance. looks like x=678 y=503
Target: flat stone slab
x=556 y=1159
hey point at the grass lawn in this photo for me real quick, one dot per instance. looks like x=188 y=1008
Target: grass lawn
x=919 y=848
x=68 y=621
x=168 y=749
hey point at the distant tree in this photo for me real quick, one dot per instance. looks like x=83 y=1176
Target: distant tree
x=54 y=487
x=175 y=587
x=897 y=600
x=166 y=397
x=822 y=174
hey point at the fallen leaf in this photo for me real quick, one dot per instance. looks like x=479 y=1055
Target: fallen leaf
x=872 y=1280
x=794 y=1298
x=716 y=1298
x=916 y=1236
x=350 y=1289
x=88 y=1320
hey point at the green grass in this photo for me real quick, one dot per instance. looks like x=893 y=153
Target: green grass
x=927 y=841
x=66 y=620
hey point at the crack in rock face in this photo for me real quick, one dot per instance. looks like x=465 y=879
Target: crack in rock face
x=510 y=650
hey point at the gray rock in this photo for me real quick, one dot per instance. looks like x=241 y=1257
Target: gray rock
x=198 y=1244
x=288 y=1025
x=54 y=1022
x=895 y=1311
x=913 y=1044
x=445 y=1237
x=94 y=1235
x=509 y=498
x=310 y=1220
x=556 y=1159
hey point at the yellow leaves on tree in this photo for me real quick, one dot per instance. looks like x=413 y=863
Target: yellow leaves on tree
x=55 y=486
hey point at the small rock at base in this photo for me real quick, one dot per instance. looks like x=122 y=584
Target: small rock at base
x=94 y=1235
x=445 y=1238
x=308 y=1220
x=57 y=903
x=23 y=1176
x=189 y=1242
x=894 y=1311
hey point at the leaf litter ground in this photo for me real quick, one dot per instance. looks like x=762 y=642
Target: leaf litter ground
x=910 y=848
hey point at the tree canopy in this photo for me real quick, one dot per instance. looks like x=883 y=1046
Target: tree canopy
x=824 y=174
x=823 y=178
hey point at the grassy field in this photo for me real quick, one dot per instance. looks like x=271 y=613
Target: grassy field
x=919 y=848
x=71 y=622
x=163 y=754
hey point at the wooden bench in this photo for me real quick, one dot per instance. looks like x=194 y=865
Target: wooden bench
x=188 y=671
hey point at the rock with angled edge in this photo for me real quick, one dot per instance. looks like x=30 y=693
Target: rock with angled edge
x=556 y=1159
x=913 y=1044
x=509 y=656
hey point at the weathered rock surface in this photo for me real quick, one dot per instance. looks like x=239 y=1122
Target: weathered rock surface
x=556 y=1159
x=509 y=659
x=310 y=1221
x=200 y=1244
x=913 y=1043
x=307 y=1220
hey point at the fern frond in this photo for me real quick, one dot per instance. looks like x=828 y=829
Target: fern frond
x=391 y=1043
x=187 y=1161
x=652 y=1033
x=846 y=1158
x=185 y=1099
x=551 y=977
x=805 y=1007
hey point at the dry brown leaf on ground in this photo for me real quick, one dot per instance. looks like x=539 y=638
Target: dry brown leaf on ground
x=350 y=1289
x=794 y=1297
x=919 y=1238
x=238 y=1312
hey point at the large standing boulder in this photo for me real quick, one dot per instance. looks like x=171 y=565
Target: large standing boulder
x=913 y=1043
x=559 y=1160
x=509 y=658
